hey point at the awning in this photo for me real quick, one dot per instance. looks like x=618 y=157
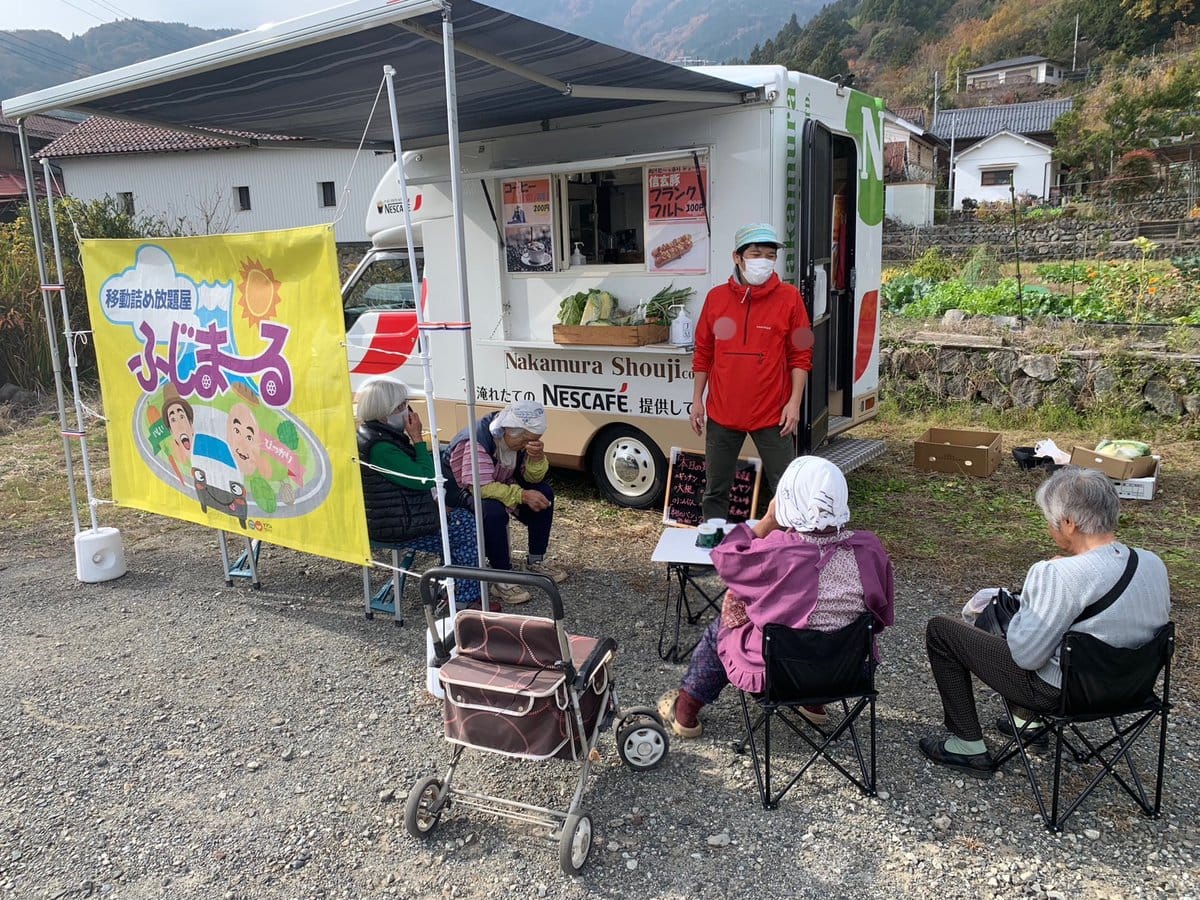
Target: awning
x=317 y=77
x=12 y=186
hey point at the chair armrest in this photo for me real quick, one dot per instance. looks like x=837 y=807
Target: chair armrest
x=595 y=659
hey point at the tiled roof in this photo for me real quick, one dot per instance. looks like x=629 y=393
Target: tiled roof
x=1010 y=64
x=45 y=128
x=1037 y=117
x=99 y=136
x=915 y=114
x=12 y=186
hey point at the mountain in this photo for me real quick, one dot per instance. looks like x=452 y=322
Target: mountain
x=669 y=29
x=30 y=60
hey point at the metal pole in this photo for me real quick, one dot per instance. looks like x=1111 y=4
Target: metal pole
x=1075 y=46
x=389 y=74
x=1012 y=192
x=56 y=363
x=460 y=247
x=69 y=335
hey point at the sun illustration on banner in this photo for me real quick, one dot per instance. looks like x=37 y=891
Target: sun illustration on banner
x=258 y=291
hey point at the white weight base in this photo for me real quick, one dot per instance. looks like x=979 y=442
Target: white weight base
x=99 y=555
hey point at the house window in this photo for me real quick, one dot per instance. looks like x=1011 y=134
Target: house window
x=126 y=200
x=328 y=194
x=604 y=212
x=243 y=197
x=995 y=177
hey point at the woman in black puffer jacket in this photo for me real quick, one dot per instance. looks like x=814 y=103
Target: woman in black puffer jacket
x=398 y=482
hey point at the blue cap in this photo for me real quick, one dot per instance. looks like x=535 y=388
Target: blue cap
x=757 y=233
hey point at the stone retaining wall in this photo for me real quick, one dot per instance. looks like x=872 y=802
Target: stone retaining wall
x=923 y=373
x=1057 y=239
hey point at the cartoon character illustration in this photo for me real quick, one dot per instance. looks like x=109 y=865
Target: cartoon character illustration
x=180 y=419
x=244 y=438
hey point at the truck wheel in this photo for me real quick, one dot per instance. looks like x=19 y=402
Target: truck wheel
x=628 y=467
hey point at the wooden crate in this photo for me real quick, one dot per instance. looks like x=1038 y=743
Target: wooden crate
x=611 y=335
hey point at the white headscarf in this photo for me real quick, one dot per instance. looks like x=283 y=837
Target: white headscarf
x=527 y=414
x=812 y=495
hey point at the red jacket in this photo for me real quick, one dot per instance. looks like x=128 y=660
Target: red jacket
x=748 y=340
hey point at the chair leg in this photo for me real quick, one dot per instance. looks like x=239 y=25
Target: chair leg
x=764 y=789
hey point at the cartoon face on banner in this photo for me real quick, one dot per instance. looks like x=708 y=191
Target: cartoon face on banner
x=223 y=355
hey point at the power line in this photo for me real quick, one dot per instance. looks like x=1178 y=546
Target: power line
x=42 y=56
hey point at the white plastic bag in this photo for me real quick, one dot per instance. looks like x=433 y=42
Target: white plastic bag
x=1050 y=449
x=977 y=604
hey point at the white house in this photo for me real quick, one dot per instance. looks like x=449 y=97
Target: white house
x=205 y=183
x=909 y=170
x=985 y=170
x=1018 y=71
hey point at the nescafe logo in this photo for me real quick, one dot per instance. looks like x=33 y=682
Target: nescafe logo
x=393 y=207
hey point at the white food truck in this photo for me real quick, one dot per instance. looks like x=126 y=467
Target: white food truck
x=632 y=207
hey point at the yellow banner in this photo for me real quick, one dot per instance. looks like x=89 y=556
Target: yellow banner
x=226 y=385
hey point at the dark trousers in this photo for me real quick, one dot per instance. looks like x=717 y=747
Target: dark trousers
x=721 y=448
x=956 y=652
x=495 y=526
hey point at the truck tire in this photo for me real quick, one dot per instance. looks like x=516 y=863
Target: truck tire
x=628 y=467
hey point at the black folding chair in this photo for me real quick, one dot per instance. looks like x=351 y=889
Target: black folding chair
x=813 y=668
x=1101 y=683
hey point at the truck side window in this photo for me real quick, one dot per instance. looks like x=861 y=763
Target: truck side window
x=605 y=210
x=384 y=285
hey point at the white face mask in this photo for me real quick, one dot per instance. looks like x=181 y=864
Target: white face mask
x=398 y=419
x=757 y=271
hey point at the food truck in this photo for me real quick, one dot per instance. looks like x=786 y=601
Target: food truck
x=635 y=209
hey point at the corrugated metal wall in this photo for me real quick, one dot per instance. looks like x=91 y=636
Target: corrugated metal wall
x=199 y=188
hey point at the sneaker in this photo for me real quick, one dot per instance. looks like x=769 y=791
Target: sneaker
x=555 y=574
x=510 y=594
x=666 y=709
x=978 y=765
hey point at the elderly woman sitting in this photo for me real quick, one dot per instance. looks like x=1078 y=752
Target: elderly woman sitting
x=797 y=567
x=1081 y=509
x=398 y=482
x=514 y=483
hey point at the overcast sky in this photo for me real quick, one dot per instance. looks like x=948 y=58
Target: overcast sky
x=72 y=17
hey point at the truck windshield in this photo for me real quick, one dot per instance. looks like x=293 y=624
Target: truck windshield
x=383 y=285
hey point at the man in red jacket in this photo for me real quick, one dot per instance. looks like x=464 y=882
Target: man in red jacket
x=753 y=354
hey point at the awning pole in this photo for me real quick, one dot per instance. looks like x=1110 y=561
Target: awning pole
x=69 y=335
x=39 y=251
x=422 y=336
x=460 y=247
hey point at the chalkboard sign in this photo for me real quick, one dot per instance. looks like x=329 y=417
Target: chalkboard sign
x=685 y=488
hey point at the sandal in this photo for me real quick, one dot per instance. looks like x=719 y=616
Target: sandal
x=666 y=709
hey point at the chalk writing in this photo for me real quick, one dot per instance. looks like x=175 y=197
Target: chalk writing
x=685 y=489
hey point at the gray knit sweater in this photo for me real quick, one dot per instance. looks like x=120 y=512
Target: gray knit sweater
x=1058 y=590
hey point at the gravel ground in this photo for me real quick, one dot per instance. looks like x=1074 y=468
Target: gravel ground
x=165 y=736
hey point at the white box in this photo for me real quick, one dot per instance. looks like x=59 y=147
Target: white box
x=1139 y=488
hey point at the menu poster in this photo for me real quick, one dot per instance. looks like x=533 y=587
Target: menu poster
x=528 y=224
x=676 y=220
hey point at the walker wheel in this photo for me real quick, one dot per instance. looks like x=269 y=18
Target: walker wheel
x=575 y=843
x=643 y=744
x=424 y=806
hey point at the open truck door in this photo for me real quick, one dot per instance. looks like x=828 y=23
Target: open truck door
x=816 y=230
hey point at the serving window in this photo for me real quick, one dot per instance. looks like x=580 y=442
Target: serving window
x=602 y=214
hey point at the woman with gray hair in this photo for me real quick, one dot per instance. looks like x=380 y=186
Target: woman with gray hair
x=1081 y=509
x=398 y=482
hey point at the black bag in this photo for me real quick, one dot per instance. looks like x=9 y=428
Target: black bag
x=999 y=613
x=1004 y=605
x=457 y=497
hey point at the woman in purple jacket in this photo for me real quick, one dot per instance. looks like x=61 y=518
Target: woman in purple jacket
x=797 y=567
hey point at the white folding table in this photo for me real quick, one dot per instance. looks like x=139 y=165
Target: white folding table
x=685 y=562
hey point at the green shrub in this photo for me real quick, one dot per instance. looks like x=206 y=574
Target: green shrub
x=982 y=267
x=901 y=290
x=933 y=266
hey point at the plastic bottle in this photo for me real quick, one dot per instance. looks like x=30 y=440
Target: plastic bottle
x=682 y=328
x=577 y=257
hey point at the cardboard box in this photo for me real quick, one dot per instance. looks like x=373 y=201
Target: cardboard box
x=1139 y=488
x=1115 y=467
x=611 y=335
x=958 y=451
